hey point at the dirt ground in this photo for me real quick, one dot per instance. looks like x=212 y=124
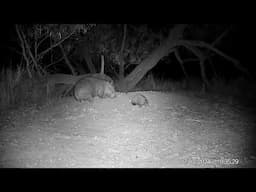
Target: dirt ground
x=175 y=131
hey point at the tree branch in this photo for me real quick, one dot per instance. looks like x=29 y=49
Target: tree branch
x=121 y=55
x=124 y=38
x=41 y=41
x=206 y=45
x=217 y=40
x=56 y=44
x=176 y=53
x=67 y=60
x=23 y=50
x=29 y=51
x=54 y=62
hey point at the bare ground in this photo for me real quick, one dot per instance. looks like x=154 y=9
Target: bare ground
x=174 y=131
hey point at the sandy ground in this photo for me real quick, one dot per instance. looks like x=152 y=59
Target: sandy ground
x=174 y=131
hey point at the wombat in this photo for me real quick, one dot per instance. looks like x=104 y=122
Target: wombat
x=87 y=88
x=139 y=100
x=98 y=76
x=101 y=77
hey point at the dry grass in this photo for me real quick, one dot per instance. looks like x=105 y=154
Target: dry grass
x=239 y=89
x=18 y=89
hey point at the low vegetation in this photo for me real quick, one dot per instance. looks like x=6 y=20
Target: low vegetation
x=17 y=89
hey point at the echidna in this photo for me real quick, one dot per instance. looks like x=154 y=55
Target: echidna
x=139 y=100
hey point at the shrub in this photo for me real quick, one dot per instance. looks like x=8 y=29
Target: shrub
x=18 y=89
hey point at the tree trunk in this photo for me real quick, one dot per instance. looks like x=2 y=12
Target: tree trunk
x=163 y=50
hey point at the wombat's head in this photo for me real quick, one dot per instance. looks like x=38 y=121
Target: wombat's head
x=113 y=95
x=110 y=91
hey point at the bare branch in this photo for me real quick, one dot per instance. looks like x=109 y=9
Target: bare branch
x=55 y=62
x=124 y=38
x=23 y=50
x=181 y=62
x=42 y=70
x=202 y=58
x=67 y=60
x=29 y=51
x=217 y=40
x=121 y=55
x=58 y=43
x=42 y=40
x=35 y=48
x=206 y=45
x=178 y=56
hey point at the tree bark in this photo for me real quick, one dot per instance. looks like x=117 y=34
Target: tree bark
x=164 y=49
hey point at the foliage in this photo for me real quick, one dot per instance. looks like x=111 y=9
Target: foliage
x=107 y=39
x=38 y=40
x=196 y=41
x=139 y=43
x=8 y=84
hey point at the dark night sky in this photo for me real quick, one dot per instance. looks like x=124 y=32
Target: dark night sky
x=5 y=41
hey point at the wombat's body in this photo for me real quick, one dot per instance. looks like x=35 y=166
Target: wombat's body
x=70 y=89
x=89 y=87
x=139 y=100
